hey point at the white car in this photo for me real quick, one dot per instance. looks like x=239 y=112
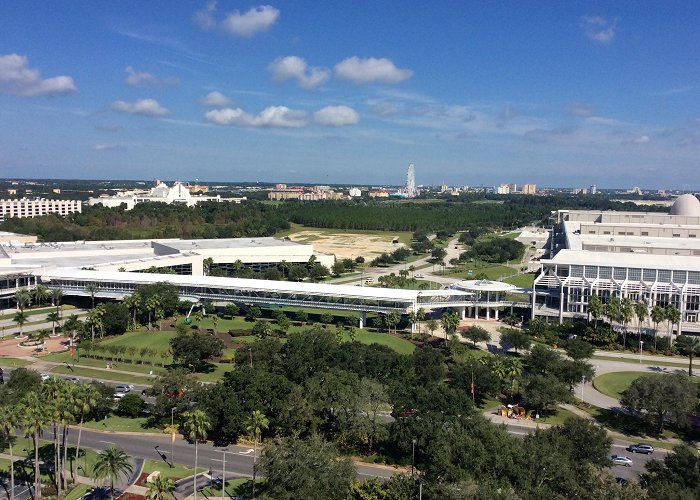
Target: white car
x=621 y=460
x=118 y=395
x=45 y=377
x=418 y=275
x=123 y=388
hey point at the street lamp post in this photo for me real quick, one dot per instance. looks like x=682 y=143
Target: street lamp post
x=223 y=472
x=641 y=343
x=172 y=416
x=413 y=454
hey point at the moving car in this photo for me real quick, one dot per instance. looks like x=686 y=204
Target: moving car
x=621 y=460
x=647 y=449
x=75 y=380
x=123 y=388
x=45 y=377
x=118 y=395
x=418 y=275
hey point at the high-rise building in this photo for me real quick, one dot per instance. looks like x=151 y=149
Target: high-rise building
x=529 y=189
x=411 y=181
x=594 y=189
x=35 y=207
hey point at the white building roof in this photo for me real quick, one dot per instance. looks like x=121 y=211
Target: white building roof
x=648 y=261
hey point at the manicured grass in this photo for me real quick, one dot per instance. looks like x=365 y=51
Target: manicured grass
x=116 y=423
x=218 y=372
x=614 y=384
x=103 y=375
x=153 y=339
x=556 y=418
x=78 y=492
x=41 y=310
x=398 y=344
x=82 y=361
x=7 y=362
x=522 y=280
x=235 y=488
x=493 y=272
x=680 y=365
x=175 y=472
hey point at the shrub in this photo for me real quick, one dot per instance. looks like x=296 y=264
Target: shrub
x=131 y=405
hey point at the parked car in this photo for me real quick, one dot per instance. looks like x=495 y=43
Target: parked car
x=621 y=481
x=74 y=380
x=118 y=395
x=123 y=388
x=621 y=460
x=45 y=377
x=418 y=275
x=647 y=449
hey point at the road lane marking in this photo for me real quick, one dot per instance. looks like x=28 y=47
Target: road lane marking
x=107 y=442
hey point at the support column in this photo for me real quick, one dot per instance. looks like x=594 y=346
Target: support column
x=363 y=319
x=488 y=313
x=534 y=300
x=462 y=313
x=496 y=313
x=476 y=312
x=561 y=303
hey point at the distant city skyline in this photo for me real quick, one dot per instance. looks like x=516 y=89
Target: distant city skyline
x=558 y=94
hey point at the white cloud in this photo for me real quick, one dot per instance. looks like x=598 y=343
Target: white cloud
x=17 y=78
x=384 y=109
x=246 y=24
x=336 y=116
x=361 y=71
x=107 y=147
x=142 y=107
x=642 y=139
x=598 y=28
x=580 y=109
x=295 y=68
x=215 y=99
x=272 y=116
x=145 y=79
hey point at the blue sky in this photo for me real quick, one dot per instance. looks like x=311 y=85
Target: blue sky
x=473 y=93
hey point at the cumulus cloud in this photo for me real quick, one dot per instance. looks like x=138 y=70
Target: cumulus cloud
x=295 y=68
x=145 y=79
x=17 y=78
x=362 y=71
x=599 y=29
x=215 y=99
x=245 y=24
x=336 y=116
x=580 y=109
x=642 y=139
x=272 y=116
x=142 y=107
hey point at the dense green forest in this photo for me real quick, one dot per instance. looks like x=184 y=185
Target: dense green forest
x=254 y=219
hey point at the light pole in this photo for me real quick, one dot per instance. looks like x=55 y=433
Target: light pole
x=641 y=343
x=413 y=454
x=172 y=416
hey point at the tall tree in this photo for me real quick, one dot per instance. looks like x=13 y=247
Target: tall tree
x=56 y=297
x=595 y=308
x=476 y=334
x=23 y=297
x=113 y=463
x=661 y=399
x=160 y=488
x=641 y=311
x=255 y=424
x=626 y=315
x=9 y=420
x=196 y=425
x=34 y=418
x=41 y=293
x=673 y=316
x=20 y=317
x=690 y=346
x=657 y=316
x=450 y=322
x=85 y=400
x=54 y=318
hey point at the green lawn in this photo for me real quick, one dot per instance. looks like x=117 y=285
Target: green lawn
x=122 y=424
x=398 y=344
x=175 y=472
x=39 y=310
x=153 y=339
x=680 y=365
x=82 y=361
x=7 y=362
x=78 y=492
x=522 y=280
x=102 y=375
x=218 y=372
x=614 y=384
x=493 y=272
x=556 y=418
x=235 y=488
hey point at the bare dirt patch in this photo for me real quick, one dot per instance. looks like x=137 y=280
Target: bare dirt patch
x=348 y=245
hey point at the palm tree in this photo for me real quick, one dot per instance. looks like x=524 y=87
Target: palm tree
x=84 y=400
x=20 y=318
x=111 y=464
x=595 y=308
x=56 y=296
x=420 y=316
x=626 y=315
x=255 y=424
x=431 y=325
x=673 y=316
x=23 y=298
x=92 y=289
x=54 y=318
x=513 y=369
x=657 y=316
x=34 y=417
x=161 y=488
x=9 y=420
x=642 y=313
x=52 y=391
x=690 y=346
x=196 y=425
x=41 y=293
x=611 y=310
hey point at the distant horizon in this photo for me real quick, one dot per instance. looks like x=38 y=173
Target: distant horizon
x=342 y=184
x=473 y=93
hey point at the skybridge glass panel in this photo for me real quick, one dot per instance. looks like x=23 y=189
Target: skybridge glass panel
x=649 y=275
x=634 y=274
x=664 y=275
x=591 y=272
x=620 y=273
x=606 y=272
x=694 y=278
x=679 y=277
x=577 y=271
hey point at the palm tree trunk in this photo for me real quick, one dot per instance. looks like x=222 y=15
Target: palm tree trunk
x=77 y=448
x=690 y=364
x=196 y=457
x=111 y=488
x=12 y=471
x=255 y=457
x=37 y=471
x=56 y=459
x=65 y=456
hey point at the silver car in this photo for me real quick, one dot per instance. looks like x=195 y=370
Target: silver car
x=621 y=460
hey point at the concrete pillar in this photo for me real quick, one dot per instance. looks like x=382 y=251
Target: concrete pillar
x=462 y=313
x=534 y=299
x=496 y=313
x=363 y=319
x=476 y=312
x=561 y=303
x=488 y=313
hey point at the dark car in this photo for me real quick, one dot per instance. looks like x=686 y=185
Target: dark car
x=647 y=449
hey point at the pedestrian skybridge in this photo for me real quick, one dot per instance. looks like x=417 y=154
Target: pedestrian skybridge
x=117 y=285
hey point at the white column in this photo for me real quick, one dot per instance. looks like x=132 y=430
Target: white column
x=462 y=313
x=363 y=318
x=496 y=313
x=561 y=303
x=488 y=313
x=476 y=312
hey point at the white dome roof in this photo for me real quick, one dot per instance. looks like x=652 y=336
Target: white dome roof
x=686 y=204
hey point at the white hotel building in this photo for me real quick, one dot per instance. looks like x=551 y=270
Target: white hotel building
x=651 y=257
x=34 y=207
